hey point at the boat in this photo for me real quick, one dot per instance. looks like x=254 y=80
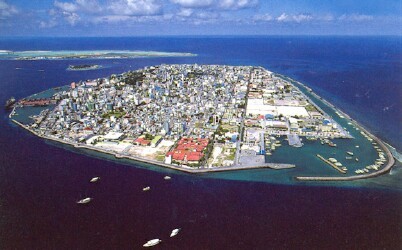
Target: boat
x=349 y=153
x=357 y=146
x=84 y=201
x=175 y=232
x=95 y=179
x=167 y=177
x=10 y=102
x=151 y=243
x=146 y=188
x=348 y=157
x=357 y=159
x=331 y=144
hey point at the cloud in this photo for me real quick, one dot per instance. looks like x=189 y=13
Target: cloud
x=48 y=24
x=294 y=18
x=194 y=4
x=7 y=10
x=185 y=12
x=136 y=7
x=355 y=17
x=263 y=18
x=216 y=4
x=64 y=6
x=72 y=18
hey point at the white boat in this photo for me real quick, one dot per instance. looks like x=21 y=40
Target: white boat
x=167 y=177
x=146 y=188
x=175 y=232
x=349 y=153
x=84 y=201
x=151 y=243
x=95 y=179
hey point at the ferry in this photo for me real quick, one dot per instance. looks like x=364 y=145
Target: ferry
x=84 y=201
x=167 y=177
x=153 y=242
x=146 y=188
x=175 y=232
x=95 y=179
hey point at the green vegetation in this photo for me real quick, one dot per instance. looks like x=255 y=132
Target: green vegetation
x=134 y=77
x=148 y=137
x=117 y=114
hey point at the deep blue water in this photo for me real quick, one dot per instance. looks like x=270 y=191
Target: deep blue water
x=40 y=183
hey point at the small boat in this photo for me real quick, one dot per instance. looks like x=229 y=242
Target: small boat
x=95 y=179
x=167 y=177
x=349 y=153
x=153 y=242
x=331 y=144
x=349 y=157
x=175 y=232
x=357 y=159
x=84 y=201
x=357 y=146
x=146 y=188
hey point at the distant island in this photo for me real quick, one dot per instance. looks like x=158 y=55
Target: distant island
x=86 y=54
x=84 y=67
x=207 y=118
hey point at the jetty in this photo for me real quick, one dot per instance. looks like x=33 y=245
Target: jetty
x=331 y=164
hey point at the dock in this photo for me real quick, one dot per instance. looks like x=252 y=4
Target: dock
x=331 y=164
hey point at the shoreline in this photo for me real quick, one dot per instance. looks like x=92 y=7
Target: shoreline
x=275 y=166
x=203 y=169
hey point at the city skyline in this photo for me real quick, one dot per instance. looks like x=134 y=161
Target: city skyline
x=190 y=17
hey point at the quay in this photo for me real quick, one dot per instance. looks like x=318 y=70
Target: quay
x=331 y=164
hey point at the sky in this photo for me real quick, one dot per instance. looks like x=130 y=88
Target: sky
x=199 y=17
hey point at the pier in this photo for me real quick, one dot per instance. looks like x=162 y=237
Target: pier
x=331 y=164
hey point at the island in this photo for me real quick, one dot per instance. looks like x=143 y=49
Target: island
x=84 y=67
x=208 y=118
x=86 y=54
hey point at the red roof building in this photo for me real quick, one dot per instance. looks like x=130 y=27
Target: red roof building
x=189 y=150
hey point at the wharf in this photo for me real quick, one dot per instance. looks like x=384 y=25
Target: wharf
x=331 y=164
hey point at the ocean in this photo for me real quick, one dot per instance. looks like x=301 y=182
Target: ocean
x=41 y=181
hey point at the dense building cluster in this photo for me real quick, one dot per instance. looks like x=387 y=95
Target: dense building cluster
x=185 y=114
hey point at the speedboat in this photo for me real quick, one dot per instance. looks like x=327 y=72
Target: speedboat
x=95 y=179
x=167 y=177
x=84 y=201
x=146 y=188
x=151 y=243
x=174 y=232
